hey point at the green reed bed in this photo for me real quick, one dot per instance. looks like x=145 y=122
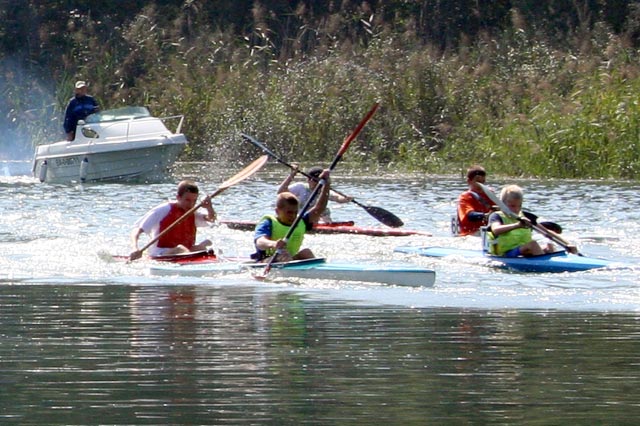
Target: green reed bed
x=514 y=101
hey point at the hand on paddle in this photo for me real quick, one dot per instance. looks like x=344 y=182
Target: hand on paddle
x=211 y=213
x=135 y=255
x=321 y=184
x=525 y=222
x=380 y=214
x=282 y=255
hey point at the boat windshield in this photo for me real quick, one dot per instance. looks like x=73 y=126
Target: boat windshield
x=126 y=113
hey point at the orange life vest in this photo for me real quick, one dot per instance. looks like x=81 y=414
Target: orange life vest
x=469 y=201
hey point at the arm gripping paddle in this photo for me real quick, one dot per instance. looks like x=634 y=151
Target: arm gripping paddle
x=383 y=216
x=321 y=183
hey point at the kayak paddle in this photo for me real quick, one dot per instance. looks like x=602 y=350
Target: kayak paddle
x=383 y=216
x=551 y=226
x=239 y=177
x=541 y=229
x=321 y=183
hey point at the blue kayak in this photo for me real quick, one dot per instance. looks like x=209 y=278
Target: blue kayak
x=560 y=261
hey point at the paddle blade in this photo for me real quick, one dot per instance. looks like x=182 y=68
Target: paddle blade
x=246 y=172
x=260 y=276
x=242 y=174
x=354 y=134
x=383 y=216
x=552 y=226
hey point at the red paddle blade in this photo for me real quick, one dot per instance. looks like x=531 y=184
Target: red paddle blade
x=353 y=135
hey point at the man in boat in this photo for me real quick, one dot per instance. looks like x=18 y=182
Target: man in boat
x=271 y=229
x=304 y=190
x=78 y=108
x=511 y=237
x=181 y=238
x=474 y=207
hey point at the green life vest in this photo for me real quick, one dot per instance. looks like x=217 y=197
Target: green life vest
x=509 y=240
x=279 y=231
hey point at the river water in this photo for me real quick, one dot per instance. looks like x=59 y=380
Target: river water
x=87 y=339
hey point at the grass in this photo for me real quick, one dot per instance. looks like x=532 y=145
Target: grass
x=514 y=103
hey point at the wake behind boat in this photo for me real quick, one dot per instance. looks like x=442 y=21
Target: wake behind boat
x=560 y=261
x=121 y=144
x=402 y=275
x=336 y=228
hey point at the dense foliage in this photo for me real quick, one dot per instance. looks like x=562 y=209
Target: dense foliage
x=531 y=88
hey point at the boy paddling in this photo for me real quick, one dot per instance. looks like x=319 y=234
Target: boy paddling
x=272 y=229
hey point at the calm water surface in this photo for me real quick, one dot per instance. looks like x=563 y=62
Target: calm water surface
x=86 y=339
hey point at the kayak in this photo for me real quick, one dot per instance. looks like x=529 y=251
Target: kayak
x=200 y=256
x=560 y=261
x=402 y=275
x=336 y=228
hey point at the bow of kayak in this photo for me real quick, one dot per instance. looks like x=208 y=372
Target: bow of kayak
x=560 y=261
x=402 y=275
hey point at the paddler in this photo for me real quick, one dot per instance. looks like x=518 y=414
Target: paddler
x=181 y=238
x=511 y=237
x=271 y=229
x=304 y=190
x=474 y=207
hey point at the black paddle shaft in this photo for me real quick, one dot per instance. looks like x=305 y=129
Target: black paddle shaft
x=383 y=216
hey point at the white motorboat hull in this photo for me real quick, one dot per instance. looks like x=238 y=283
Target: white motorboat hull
x=144 y=163
x=134 y=148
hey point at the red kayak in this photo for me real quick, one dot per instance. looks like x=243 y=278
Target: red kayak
x=201 y=256
x=335 y=228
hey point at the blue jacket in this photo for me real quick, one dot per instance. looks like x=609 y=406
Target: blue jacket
x=78 y=109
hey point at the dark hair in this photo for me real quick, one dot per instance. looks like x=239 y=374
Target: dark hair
x=315 y=171
x=475 y=171
x=187 y=186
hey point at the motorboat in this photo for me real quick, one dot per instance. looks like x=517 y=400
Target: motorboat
x=123 y=144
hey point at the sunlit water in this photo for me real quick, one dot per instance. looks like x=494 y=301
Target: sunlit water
x=87 y=339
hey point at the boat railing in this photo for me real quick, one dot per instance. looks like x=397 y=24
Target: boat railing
x=172 y=118
x=133 y=127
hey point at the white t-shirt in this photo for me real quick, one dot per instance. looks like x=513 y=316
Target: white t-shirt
x=302 y=192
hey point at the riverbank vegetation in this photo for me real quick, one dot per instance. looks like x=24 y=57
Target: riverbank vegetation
x=544 y=89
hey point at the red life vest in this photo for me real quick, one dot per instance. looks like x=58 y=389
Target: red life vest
x=470 y=201
x=183 y=233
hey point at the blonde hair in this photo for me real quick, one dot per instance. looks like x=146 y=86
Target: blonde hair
x=511 y=192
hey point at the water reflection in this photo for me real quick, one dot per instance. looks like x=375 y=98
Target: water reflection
x=194 y=355
x=90 y=340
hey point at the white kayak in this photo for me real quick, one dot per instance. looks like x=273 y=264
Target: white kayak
x=402 y=275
